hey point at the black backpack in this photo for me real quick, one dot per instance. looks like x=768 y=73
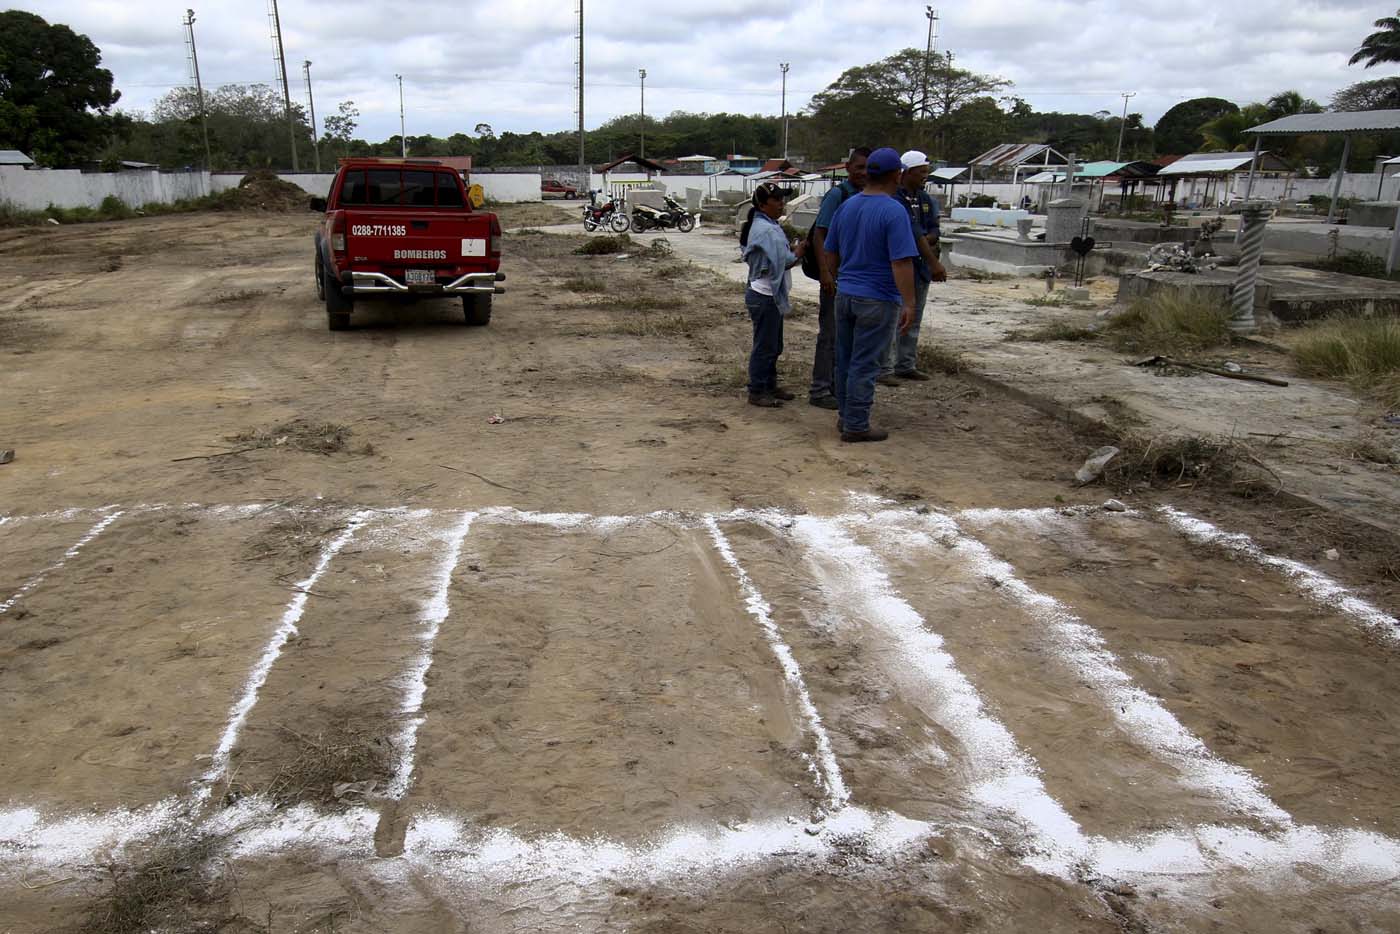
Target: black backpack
x=811 y=267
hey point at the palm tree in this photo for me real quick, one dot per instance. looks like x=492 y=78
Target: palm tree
x=1381 y=46
x=1226 y=133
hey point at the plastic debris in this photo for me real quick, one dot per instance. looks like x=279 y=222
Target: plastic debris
x=496 y=419
x=1114 y=505
x=1093 y=467
x=1332 y=554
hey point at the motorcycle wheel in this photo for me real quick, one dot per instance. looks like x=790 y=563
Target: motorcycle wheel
x=637 y=225
x=589 y=224
x=685 y=223
x=619 y=223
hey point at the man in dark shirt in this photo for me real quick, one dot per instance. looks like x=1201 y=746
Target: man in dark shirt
x=869 y=251
x=901 y=360
x=822 y=391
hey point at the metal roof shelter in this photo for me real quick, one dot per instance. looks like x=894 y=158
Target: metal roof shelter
x=1216 y=163
x=1015 y=156
x=14 y=157
x=947 y=174
x=1345 y=123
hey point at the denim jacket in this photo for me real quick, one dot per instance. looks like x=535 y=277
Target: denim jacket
x=769 y=257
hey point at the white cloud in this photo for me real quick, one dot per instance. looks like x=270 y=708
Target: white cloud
x=512 y=64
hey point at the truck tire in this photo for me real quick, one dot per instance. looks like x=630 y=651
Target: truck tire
x=477 y=309
x=338 y=307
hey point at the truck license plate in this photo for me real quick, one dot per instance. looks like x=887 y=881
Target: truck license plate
x=419 y=277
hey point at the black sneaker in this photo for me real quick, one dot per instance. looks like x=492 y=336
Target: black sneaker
x=869 y=434
x=888 y=380
x=824 y=402
x=764 y=401
x=783 y=394
x=917 y=376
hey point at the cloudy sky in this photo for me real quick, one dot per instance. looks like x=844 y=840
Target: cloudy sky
x=511 y=64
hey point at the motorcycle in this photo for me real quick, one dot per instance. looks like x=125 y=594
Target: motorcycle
x=645 y=217
x=599 y=215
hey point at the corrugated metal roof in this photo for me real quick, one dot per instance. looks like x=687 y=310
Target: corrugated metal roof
x=1210 y=163
x=14 y=157
x=948 y=173
x=1357 y=121
x=1012 y=154
x=1092 y=170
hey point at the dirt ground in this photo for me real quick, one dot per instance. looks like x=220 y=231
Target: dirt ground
x=538 y=627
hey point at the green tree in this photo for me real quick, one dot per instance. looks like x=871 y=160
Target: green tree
x=1382 y=46
x=1179 y=131
x=1382 y=94
x=1288 y=103
x=54 y=96
x=340 y=129
x=1227 y=131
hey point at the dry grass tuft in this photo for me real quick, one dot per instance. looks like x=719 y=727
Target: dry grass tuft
x=297 y=435
x=934 y=358
x=1170 y=322
x=1189 y=461
x=1053 y=331
x=646 y=324
x=585 y=284
x=601 y=246
x=176 y=886
x=1364 y=352
x=321 y=768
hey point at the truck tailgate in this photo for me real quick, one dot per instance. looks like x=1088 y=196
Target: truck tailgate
x=444 y=241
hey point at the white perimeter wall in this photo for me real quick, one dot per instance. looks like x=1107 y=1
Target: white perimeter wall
x=511 y=188
x=36 y=189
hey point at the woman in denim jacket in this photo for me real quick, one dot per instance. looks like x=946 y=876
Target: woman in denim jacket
x=769 y=254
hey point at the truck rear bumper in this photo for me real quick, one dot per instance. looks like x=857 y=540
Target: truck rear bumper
x=377 y=283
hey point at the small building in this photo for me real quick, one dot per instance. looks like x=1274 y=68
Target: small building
x=700 y=164
x=1095 y=178
x=1210 y=176
x=744 y=165
x=1009 y=160
x=463 y=164
x=628 y=164
x=15 y=157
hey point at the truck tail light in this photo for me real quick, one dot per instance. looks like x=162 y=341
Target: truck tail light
x=338 y=233
x=493 y=245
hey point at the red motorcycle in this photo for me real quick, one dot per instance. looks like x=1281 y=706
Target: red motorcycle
x=599 y=215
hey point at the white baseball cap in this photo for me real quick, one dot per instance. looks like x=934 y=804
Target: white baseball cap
x=913 y=159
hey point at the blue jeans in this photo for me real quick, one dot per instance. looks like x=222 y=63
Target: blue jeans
x=824 y=361
x=767 y=342
x=903 y=353
x=863 y=329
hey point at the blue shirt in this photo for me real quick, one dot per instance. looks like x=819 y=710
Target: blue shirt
x=923 y=215
x=869 y=232
x=832 y=200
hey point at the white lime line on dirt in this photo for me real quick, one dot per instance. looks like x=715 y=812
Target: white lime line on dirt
x=826 y=770
x=855 y=582
x=1317 y=586
x=286 y=628
x=435 y=610
x=1141 y=717
x=68 y=555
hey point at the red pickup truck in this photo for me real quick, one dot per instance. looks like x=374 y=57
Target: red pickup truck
x=404 y=228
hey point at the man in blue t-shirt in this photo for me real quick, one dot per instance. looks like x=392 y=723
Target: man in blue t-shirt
x=822 y=393
x=870 y=251
x=901 y=360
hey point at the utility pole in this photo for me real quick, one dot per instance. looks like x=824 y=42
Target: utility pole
x=643 y=73
x=1123 y=125
x=932 y=15
x=581 y=162
x=311 y=101
x=403 y=135
x=282 y=72
x=198 y=89
x=784 y=67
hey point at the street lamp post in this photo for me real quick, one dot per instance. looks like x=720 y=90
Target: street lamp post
x=1123 y=125
x=784 y=67
x=403 y=137
x=643 y=73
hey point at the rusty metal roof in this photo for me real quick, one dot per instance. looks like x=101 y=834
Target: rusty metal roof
x=1013 y=154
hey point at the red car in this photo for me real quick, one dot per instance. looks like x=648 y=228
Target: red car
x=554 y=187
x=403 y=228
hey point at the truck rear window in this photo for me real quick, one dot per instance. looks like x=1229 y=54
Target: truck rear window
x=401 y=188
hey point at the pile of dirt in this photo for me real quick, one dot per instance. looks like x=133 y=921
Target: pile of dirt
x=262 y=190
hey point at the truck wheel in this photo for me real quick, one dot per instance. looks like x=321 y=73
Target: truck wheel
x=338 y=307
x=477 y=309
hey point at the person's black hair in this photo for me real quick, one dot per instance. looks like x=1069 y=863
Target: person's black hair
x=761 y=195
x=859 y=151
x=744 y=230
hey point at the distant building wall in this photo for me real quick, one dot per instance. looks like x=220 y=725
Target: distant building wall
x=36 y=189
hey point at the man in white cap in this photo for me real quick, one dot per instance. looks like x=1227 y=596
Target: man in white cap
x=901 y=360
